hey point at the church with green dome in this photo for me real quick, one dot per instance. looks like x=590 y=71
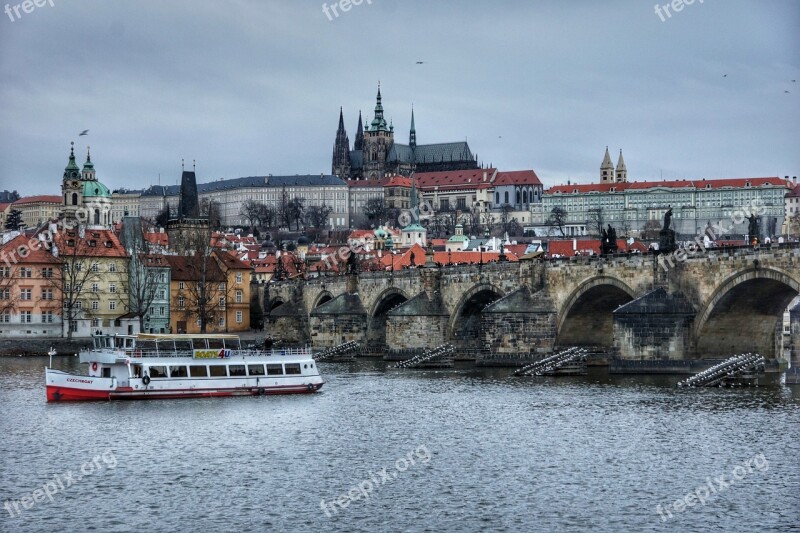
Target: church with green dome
x=86 y=200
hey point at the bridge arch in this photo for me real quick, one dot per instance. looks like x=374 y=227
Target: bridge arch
x=465 y=320
x=376 y=321
x=745 y=313
x=322 y=297
x=275 y=303
x=586 y=318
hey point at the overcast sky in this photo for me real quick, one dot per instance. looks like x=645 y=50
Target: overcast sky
x=254 y=87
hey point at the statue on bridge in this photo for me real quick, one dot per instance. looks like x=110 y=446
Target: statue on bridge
x=752 y=229
x=666 y=237
x=667 y=218
x=352 y=263
x=608 y=241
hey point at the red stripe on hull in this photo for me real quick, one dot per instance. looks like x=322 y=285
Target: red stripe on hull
x=64 y=394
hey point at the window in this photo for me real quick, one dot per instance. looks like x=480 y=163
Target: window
x=47 y=317
x=274 y=370
x=26 y=317
x=197 y=371
x=112 y=305
x=79 y=305
x=95 y=267
x=25 y=294
x=181 y=302
x=95 y=287
x=47 y=294
x=161 y=295
x=161 y=311
x=47 y=272
x=5 y=272
x=217 y=371
x=222 y=302
x=112 y=287
x=158 y=372
x=239 y=317
x=181 y=285
x=112 y=267
x=238 y=277
x=97 y=323
x=444 y=204
x=95 y=305
x=255 y=370
x=25 y=272
x=239 y=296
x=177 y=371
x=236 y=370
x=293 y=368
x=5 y=294
x=222 y=321
x=221 y=286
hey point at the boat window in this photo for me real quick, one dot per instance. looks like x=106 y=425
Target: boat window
x=293 y=368
x=183 y=347
x=146 y=346
x=197 y=371
x=216 y=344
x=107 y=372
x=255 y=370
x=136 y=371
x=177 y=371
x=158 y=372
x=218 y=371
x=274 y=370
x=236 y=370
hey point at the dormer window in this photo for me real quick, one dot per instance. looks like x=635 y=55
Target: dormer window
x=92 y=243
x=747 y=184
x=708 y=185
x=109 y=244
x=71 y=242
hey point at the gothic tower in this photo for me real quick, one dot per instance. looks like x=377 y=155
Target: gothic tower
x=341 y=151
x=622 y=171
x=359 y=144
x=412 y=136
x=378 y=140
x=607 y=169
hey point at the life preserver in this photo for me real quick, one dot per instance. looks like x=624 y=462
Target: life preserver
x=94 y=366
x=310 y=386
x=146 y=379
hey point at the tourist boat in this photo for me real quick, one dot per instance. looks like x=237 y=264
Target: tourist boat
x=145 y=366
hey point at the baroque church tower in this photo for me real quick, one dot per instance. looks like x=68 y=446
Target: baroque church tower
x=85 y=200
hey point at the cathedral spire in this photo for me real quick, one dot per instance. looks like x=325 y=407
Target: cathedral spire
x=412 y=136
x=359 y=144
x=340 y=164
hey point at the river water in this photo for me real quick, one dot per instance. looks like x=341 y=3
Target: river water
x=391 y=450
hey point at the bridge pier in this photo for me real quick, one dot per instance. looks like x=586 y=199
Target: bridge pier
x=342 y=319
x=519 y=327
x=420 y=323
x=656 y=326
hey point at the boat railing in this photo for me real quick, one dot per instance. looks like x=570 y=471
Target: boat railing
x=230 y=354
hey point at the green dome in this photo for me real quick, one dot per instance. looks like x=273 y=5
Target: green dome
x=95 y=189
x=380 y=233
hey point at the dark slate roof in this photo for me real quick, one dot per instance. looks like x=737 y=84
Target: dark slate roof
x=433 y=153
x=344 y=304
x=430 y=153
x=522 y=301
x=289 y=309
x=658 y=302
x=162 y=190
x=304 y=180
x=420 y=305
x=356 y=159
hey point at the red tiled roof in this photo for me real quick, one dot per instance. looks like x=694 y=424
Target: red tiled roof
x=367 y=183
x=3 y=207
x=795 y=193
x=36 y=254
x=231 y=261
x=399 y=181
x=95 y=243
x=41 y=198
x=674 y=184
x=454 y=178
x=517 y=177
x=161 y=239
x=190 y=268
x=564 y=248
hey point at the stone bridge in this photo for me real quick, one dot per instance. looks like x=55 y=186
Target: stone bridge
x=641 y=307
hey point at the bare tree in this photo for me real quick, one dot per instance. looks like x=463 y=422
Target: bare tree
x=76 y=274
x=651 y=229
x=249 y=211
x=266 y=216
x=142 y=281
x=557 y=220
x=284 y=211
x=595 y=222
x=297 y=210
x=163 y=217
x=625 y=227
x=318 y=215
x=211 y=210
x=375 y=210
x=7 y=284
x=508 y=223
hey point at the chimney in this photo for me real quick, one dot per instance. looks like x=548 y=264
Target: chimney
x=485 y=175
x=794 y=181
